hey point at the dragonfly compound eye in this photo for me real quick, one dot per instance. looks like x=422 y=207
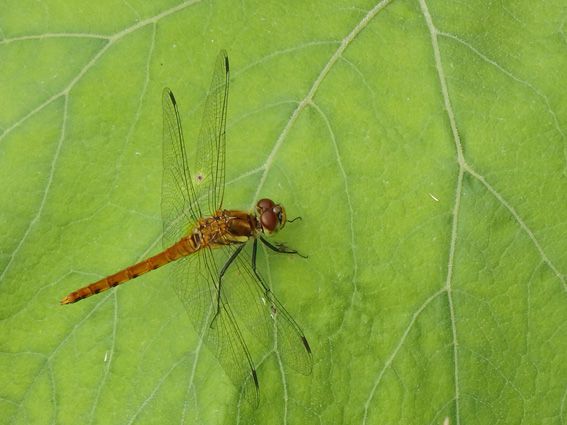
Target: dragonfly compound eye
x=269 y=221
x=264 y=205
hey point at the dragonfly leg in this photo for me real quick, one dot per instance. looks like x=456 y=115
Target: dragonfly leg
x=281 y=248
x=221 y=274
x=254 y=251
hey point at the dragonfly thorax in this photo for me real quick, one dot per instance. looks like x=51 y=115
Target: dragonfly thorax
x=271 y=216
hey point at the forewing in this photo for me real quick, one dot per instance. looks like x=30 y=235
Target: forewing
x=179 y=206
x=257 y=308
x=211 y=146
x=292 y=343
x=195 y=282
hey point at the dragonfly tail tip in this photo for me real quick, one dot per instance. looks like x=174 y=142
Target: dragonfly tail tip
x=66 y=300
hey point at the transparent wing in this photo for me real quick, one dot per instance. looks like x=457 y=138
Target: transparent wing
x=195 y=278
x=184 y=190
x=179 y=206
x=211 y=146
x=195 y=282
x=256 y=308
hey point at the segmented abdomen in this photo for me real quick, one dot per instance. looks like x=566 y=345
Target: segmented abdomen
x=184 y=247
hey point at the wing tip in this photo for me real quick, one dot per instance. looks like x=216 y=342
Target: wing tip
x=306 y=344
x=255 y=377
x=223 y=56
x=171 y=97
x=254 y=397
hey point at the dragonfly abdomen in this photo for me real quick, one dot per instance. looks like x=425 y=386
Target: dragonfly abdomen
x=184 y=247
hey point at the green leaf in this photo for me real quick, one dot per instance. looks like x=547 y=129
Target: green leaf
x=423 y=143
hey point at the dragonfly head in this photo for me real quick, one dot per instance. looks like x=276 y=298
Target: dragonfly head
x=271 y=215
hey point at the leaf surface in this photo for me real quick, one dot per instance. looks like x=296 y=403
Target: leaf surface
x=422 y=142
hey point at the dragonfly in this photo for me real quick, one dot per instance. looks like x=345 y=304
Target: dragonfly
x=212 y=251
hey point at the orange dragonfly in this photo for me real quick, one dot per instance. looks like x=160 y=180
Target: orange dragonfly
x=213 y=271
